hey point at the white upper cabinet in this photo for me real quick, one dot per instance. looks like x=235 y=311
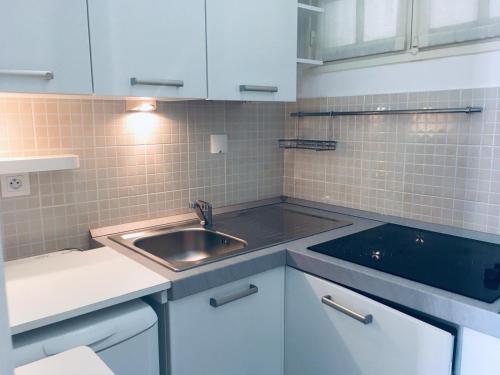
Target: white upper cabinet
x=148 y=48
x=44 y=47
x=333 y=330
x=252 y=49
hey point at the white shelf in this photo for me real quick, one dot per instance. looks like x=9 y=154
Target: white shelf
x=38 y=163
x=311 y=8
x=309 y=62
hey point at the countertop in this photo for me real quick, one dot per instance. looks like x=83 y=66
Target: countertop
x=50 y=288
x=440 y=304
x=78 y=361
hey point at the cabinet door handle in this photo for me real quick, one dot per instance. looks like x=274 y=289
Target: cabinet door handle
x=365 y=319
x=43 y=74
x=258 y=88
x=216 y=302
x=157 y=82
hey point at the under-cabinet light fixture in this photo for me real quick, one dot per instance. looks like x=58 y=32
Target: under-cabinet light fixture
x=141 y=105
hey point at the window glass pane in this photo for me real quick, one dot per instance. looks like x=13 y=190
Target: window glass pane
x=453 y=12
x=381 y=19
x=441 y=22
x=340 y=23
x=494 y=8
x=354 y=28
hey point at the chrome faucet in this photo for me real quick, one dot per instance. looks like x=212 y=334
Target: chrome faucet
x=204 y=212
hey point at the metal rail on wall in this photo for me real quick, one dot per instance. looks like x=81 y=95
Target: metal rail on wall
x=330 y=145
x=389 y=112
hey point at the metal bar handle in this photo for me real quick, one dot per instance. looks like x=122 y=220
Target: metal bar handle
x=157 y=82
x=415 y=111
x=258 y=88
x=217 y=302
x=365 y=319
x=44 y=74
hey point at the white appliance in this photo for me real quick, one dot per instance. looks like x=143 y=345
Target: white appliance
x=125 y=337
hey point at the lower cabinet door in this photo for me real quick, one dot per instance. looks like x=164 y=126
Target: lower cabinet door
x=332 y=330
x=234 y=329
x=479 y=354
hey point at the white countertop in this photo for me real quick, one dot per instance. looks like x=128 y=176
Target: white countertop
x=78 y=361
x=49 y=288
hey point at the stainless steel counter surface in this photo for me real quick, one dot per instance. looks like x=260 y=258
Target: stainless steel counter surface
x=246 y=230
x=207 y=276
x=453 y=308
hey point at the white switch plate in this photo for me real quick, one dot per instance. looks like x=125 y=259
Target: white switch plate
x=218 y=143
x=15 y=185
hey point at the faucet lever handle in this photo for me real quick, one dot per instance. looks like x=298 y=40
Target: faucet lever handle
x=200 y=203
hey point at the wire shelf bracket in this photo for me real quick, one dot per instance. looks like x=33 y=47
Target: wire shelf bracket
x=308 y=144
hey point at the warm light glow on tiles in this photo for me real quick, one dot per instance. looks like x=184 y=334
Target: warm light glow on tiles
x=142 y=126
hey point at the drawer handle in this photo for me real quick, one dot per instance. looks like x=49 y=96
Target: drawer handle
x=157 y=82
x=365 y=319
x=216 y=302
x=43 y=74
x=258 y=88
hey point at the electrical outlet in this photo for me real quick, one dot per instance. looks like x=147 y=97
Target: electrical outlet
x=15 y=185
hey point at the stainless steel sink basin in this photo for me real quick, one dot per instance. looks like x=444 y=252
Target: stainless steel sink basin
x=180 y=249
x=187 y=245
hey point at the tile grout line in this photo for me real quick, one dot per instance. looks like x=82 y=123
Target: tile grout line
x=39 y=193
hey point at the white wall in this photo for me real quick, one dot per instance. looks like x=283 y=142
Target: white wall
x=460 y=72
x=5 y=341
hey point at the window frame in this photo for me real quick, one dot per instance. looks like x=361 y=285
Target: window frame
x=359 y=43
x=412 y=52
x=483 y=20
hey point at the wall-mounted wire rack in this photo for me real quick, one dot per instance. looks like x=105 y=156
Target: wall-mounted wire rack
x=329 y=145
x=417 y=111
x=308 y=144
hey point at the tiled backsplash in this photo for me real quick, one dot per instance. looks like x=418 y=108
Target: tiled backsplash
x=437 y=168
x=134 y=166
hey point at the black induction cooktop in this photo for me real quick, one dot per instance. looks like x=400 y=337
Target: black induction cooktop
x=463 y=266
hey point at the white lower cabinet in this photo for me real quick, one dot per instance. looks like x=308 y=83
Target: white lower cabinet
x=325 y=334
x=479 y=354
x=233 y=329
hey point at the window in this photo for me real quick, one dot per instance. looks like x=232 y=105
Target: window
x=441 y=22
x=363 y=27
x=354 y=28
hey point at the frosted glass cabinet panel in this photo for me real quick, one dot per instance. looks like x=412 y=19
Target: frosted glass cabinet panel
x=148 y=48
x=252 y=49
x=325 y=334
x=44 y=47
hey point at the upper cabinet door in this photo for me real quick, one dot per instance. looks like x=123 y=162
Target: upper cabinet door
x=252 y=49
x=44 y=47
x=148 y=48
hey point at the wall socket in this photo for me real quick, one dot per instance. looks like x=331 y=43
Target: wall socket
x=15 y=185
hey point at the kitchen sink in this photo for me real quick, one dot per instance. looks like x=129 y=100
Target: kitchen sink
x=180 y=249
x=186 y=245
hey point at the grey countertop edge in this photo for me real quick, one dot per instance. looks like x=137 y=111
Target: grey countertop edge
x=447 y=308
x=198 y=279
x=450 y=307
